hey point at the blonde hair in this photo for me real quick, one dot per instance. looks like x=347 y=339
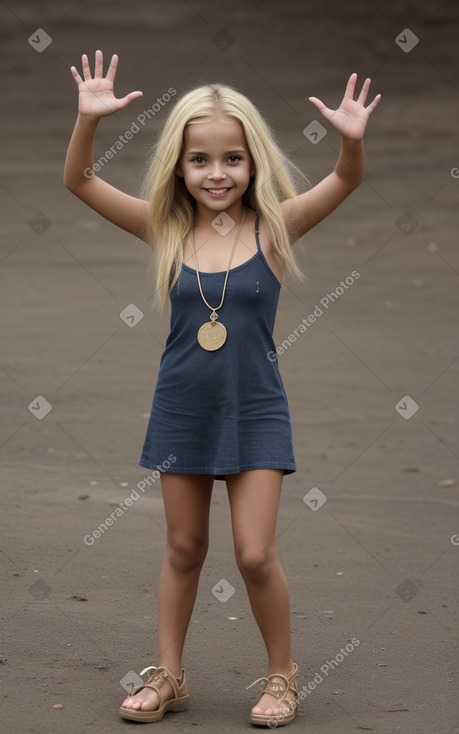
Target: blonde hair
x=172 y=207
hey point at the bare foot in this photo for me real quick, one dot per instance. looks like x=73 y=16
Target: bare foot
x=147 y=699
x=268 y=705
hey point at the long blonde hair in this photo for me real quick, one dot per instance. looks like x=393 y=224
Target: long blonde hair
x=172 y=207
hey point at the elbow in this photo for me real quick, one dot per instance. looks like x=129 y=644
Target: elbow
x=350 y=183
x=70 y=186
x=353 y=178
x=72 y=182
x=74 y=185
x=69 y=181
x=350 y=178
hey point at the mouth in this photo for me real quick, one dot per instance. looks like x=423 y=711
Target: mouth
x=217 y=193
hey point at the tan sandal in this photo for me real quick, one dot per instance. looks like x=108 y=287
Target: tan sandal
x=278 y=685
x=156 y=678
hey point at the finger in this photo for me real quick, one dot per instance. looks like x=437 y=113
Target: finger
x=86 y=69
x=364 y=91
x=98 y=64
x=319 y=104
x=350 y=87
x=371 y=106
x=76 y=75
x=124 y=101
x=111 y=72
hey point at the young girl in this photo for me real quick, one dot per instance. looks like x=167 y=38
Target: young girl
x=221 y=215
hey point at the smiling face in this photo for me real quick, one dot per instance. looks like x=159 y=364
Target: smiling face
x=216 y=165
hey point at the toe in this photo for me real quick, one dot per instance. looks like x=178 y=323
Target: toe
x=149 y=705
x=279 y=711
x=260 y=710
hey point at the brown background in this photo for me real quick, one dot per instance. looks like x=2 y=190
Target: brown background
x=376 y=561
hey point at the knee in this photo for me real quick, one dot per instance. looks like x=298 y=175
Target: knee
x=255 y=564
x=186 y=554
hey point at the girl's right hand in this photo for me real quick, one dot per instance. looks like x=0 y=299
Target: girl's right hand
x=96 y=98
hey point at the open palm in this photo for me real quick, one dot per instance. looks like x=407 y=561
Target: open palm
x=96 y=98
x=351 y=117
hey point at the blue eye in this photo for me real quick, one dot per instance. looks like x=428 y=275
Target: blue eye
x=197 y=159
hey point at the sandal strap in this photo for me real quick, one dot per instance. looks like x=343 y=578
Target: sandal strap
x=156 y=679
x=278 y=685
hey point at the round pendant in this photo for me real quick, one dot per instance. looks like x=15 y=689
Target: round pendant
x=212 y=335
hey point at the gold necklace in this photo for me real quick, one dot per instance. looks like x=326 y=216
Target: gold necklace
x=212 y=335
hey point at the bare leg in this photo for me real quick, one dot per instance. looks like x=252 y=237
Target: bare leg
x=254 y=499
x=187 y=504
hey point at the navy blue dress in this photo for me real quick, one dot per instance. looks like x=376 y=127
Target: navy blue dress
x=225 y=411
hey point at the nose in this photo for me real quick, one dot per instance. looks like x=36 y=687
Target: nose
x=216 y=173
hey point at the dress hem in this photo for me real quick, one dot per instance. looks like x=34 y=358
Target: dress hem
x=221 y=473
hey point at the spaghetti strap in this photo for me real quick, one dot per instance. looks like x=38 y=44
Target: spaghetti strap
x=257 y=232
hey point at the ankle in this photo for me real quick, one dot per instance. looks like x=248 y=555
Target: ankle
x=280 y=666
x=173 y=668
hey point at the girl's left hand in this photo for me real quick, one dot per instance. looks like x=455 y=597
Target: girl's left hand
x=351 y=117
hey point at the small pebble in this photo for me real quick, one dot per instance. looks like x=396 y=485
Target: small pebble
x=58 y=706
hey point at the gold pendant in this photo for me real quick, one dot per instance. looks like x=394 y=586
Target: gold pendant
x=212 y=335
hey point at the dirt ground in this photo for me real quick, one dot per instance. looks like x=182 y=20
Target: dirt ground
x=372 y=384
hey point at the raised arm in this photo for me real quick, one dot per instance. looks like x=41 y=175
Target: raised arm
x=350 y=119
x=95 y=100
